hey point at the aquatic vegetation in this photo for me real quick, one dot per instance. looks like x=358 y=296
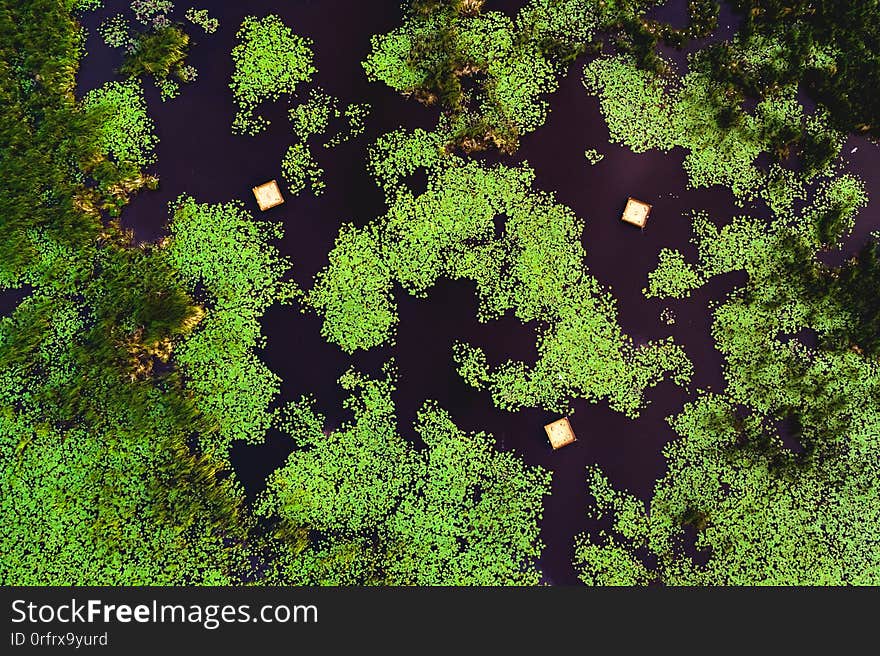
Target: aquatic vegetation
x=457 y=512
x=400 y=153
x=491 y=74
x=152 y=12
x=201 y=18
x=160 y=54
x=58 y=140
x=79 y=391
x=168 y=89
x=355 y=114
x=222 y=250
x=116 y=32
x=762 y=513
x=634 y=103
x=831 y=215
x=270 y=61
x=723 y=144
x=188 y=73
x=78 y=501
x=673 y=277
x=826 y=46
x=772 y=479
x=633 y=33
x=87 y=5
x=313 y=116
x=310 y=119
x=353 y=294
x=83 y=489
x=593 y=156
x=534 y=269
x=87 y=500
x=300 y=169
x=853 y=293
x=437 y=55
x=128 y=133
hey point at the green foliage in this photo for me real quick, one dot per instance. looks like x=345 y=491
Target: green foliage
x=54 y=491
x=854 y=292
x=353 y=293
x=400 y=153
x=381 y=512
x=128 y=132
x=201 y=18
x=534 y=270
x=763 y=514
x=634 y=103
x=593 y=156
x=152 y=12
x=44 y=132
x=831 y=216
x=633 y=33
x=773 y=481
x=644 y=111
x=86 y=5
x=299 y=169
x=87 y=498
x=355 y=115
x=96 y=503
x=160 y=53
x=673 y=277
x=168 y=89
x=828 y=46
x=438 y=54
x=313 y=116
x=613 y=563
x=116 y=32
x=222 y=250
x=270 y=60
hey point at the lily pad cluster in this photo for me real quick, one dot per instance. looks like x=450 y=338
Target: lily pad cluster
x=270 y=61
x=523 y=251
x=375 y=510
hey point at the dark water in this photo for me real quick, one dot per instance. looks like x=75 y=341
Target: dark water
x=199 y=156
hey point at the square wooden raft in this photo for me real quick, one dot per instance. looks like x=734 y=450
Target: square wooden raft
x=560 y=433
x=268 y=195
x=636 y=212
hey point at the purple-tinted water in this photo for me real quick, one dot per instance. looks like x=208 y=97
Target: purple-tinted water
x=198 y=155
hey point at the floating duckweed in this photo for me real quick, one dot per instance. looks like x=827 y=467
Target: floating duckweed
x=593 y=156
x=514 y=63
x=223 y=250
x=270 y=60
x=388 y=513
x=201 y=18
x=534 y=269
x=644 y=111
x=300 y=170
x=313 y=116
x=116 y=32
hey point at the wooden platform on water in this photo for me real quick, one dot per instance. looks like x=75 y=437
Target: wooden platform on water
x=560 y=433
x=636 y=212
x=268 y=195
